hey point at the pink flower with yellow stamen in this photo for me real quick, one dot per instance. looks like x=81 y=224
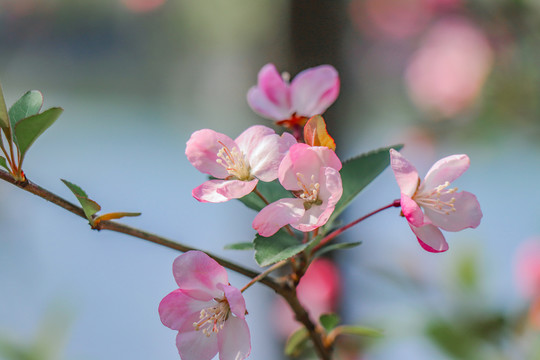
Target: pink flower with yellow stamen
x=237 y=164
x=311 y=173
x=207 y=312
x=443 y=207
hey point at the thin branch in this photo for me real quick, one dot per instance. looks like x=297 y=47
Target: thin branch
x=280 y=287
x=121 y=228
x=265 y=273
x=332 y=235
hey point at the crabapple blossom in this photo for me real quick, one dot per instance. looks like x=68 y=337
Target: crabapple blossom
x=310 y=93
x=237 y=164
x=207 y=312
x=443 y=207
x=311 y=173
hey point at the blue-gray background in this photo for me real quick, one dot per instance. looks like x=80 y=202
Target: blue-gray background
x=136 y=83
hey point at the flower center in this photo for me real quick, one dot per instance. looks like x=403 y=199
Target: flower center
x=235 y=163
x=309 y=191
x=432 y=199
x=212 y=319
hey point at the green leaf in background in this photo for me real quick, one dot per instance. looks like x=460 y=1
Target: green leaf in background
x=4 y=118
x=90 y=207
x=272 y=191
x=357 y=330
x=337 y=246
x=296 y=342
x=239 y=246
x=3 y=163
x=29 y=104
x=358 y=172
x=329 y=321
x=280 y=246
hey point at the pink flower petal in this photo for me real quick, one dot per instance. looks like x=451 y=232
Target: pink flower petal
x=216 y=191
x=264 y=150
x=405 y=173
x=314 y=90
x=278 y=214
x=198 y=275
x=234 y=341
x=202 y=149
x=195 y=345
x=467 y=215
x=270 y=98
x=412 y=212
x=430 y=238
x=446 y=169
x=236 y=301
x=330 y=192
x=178 y=310
x=307 y=161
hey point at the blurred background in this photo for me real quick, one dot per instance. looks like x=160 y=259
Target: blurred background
x=137 y=77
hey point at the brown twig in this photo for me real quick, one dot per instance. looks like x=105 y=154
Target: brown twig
x=280 y=287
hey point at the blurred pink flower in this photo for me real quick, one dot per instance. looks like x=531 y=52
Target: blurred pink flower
x=447 y=73
x=527 y=267
x=237 y=164
x=394 y=19
x=208 y=313
x=318 y=291
x=312 y=174
x=310 y=93
x=443 y=207
x=142 y=6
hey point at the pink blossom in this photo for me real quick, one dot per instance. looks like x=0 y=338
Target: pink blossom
x=318 y=291
x=310 y=93
x=207 y=312
x=447 y=73
x=443 y=206
x=311 y=173
x=527 y=267
x=237 y=164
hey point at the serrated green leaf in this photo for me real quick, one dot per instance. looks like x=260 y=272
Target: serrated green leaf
x=29 y=129
x=357 y=173
x=3 y=163
x=239 y=246
x=358 y=330
x=29 y=104
x=90 y=207
x=4 y=118
x=280 y=246
x=329 y=321
x=296 y=342
x=271 y=191
x=337 y=246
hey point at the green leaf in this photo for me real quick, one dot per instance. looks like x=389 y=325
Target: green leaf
x=358 y=330
x=4 y=118
x=271 y=191
x=296 y=342
x=239 y=246
x=89 y=206
x=358 y=172
x=329 y=321
x=29 y=129
x=337 y=246
x=280 y=246
x=3 y=163
x=29 y=104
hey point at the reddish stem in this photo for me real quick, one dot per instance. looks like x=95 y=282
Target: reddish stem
x=333 y=234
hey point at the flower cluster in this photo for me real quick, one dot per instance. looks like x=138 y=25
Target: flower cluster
x=207 y=312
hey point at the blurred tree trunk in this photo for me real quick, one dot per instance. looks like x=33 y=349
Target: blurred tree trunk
x=317 y=33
